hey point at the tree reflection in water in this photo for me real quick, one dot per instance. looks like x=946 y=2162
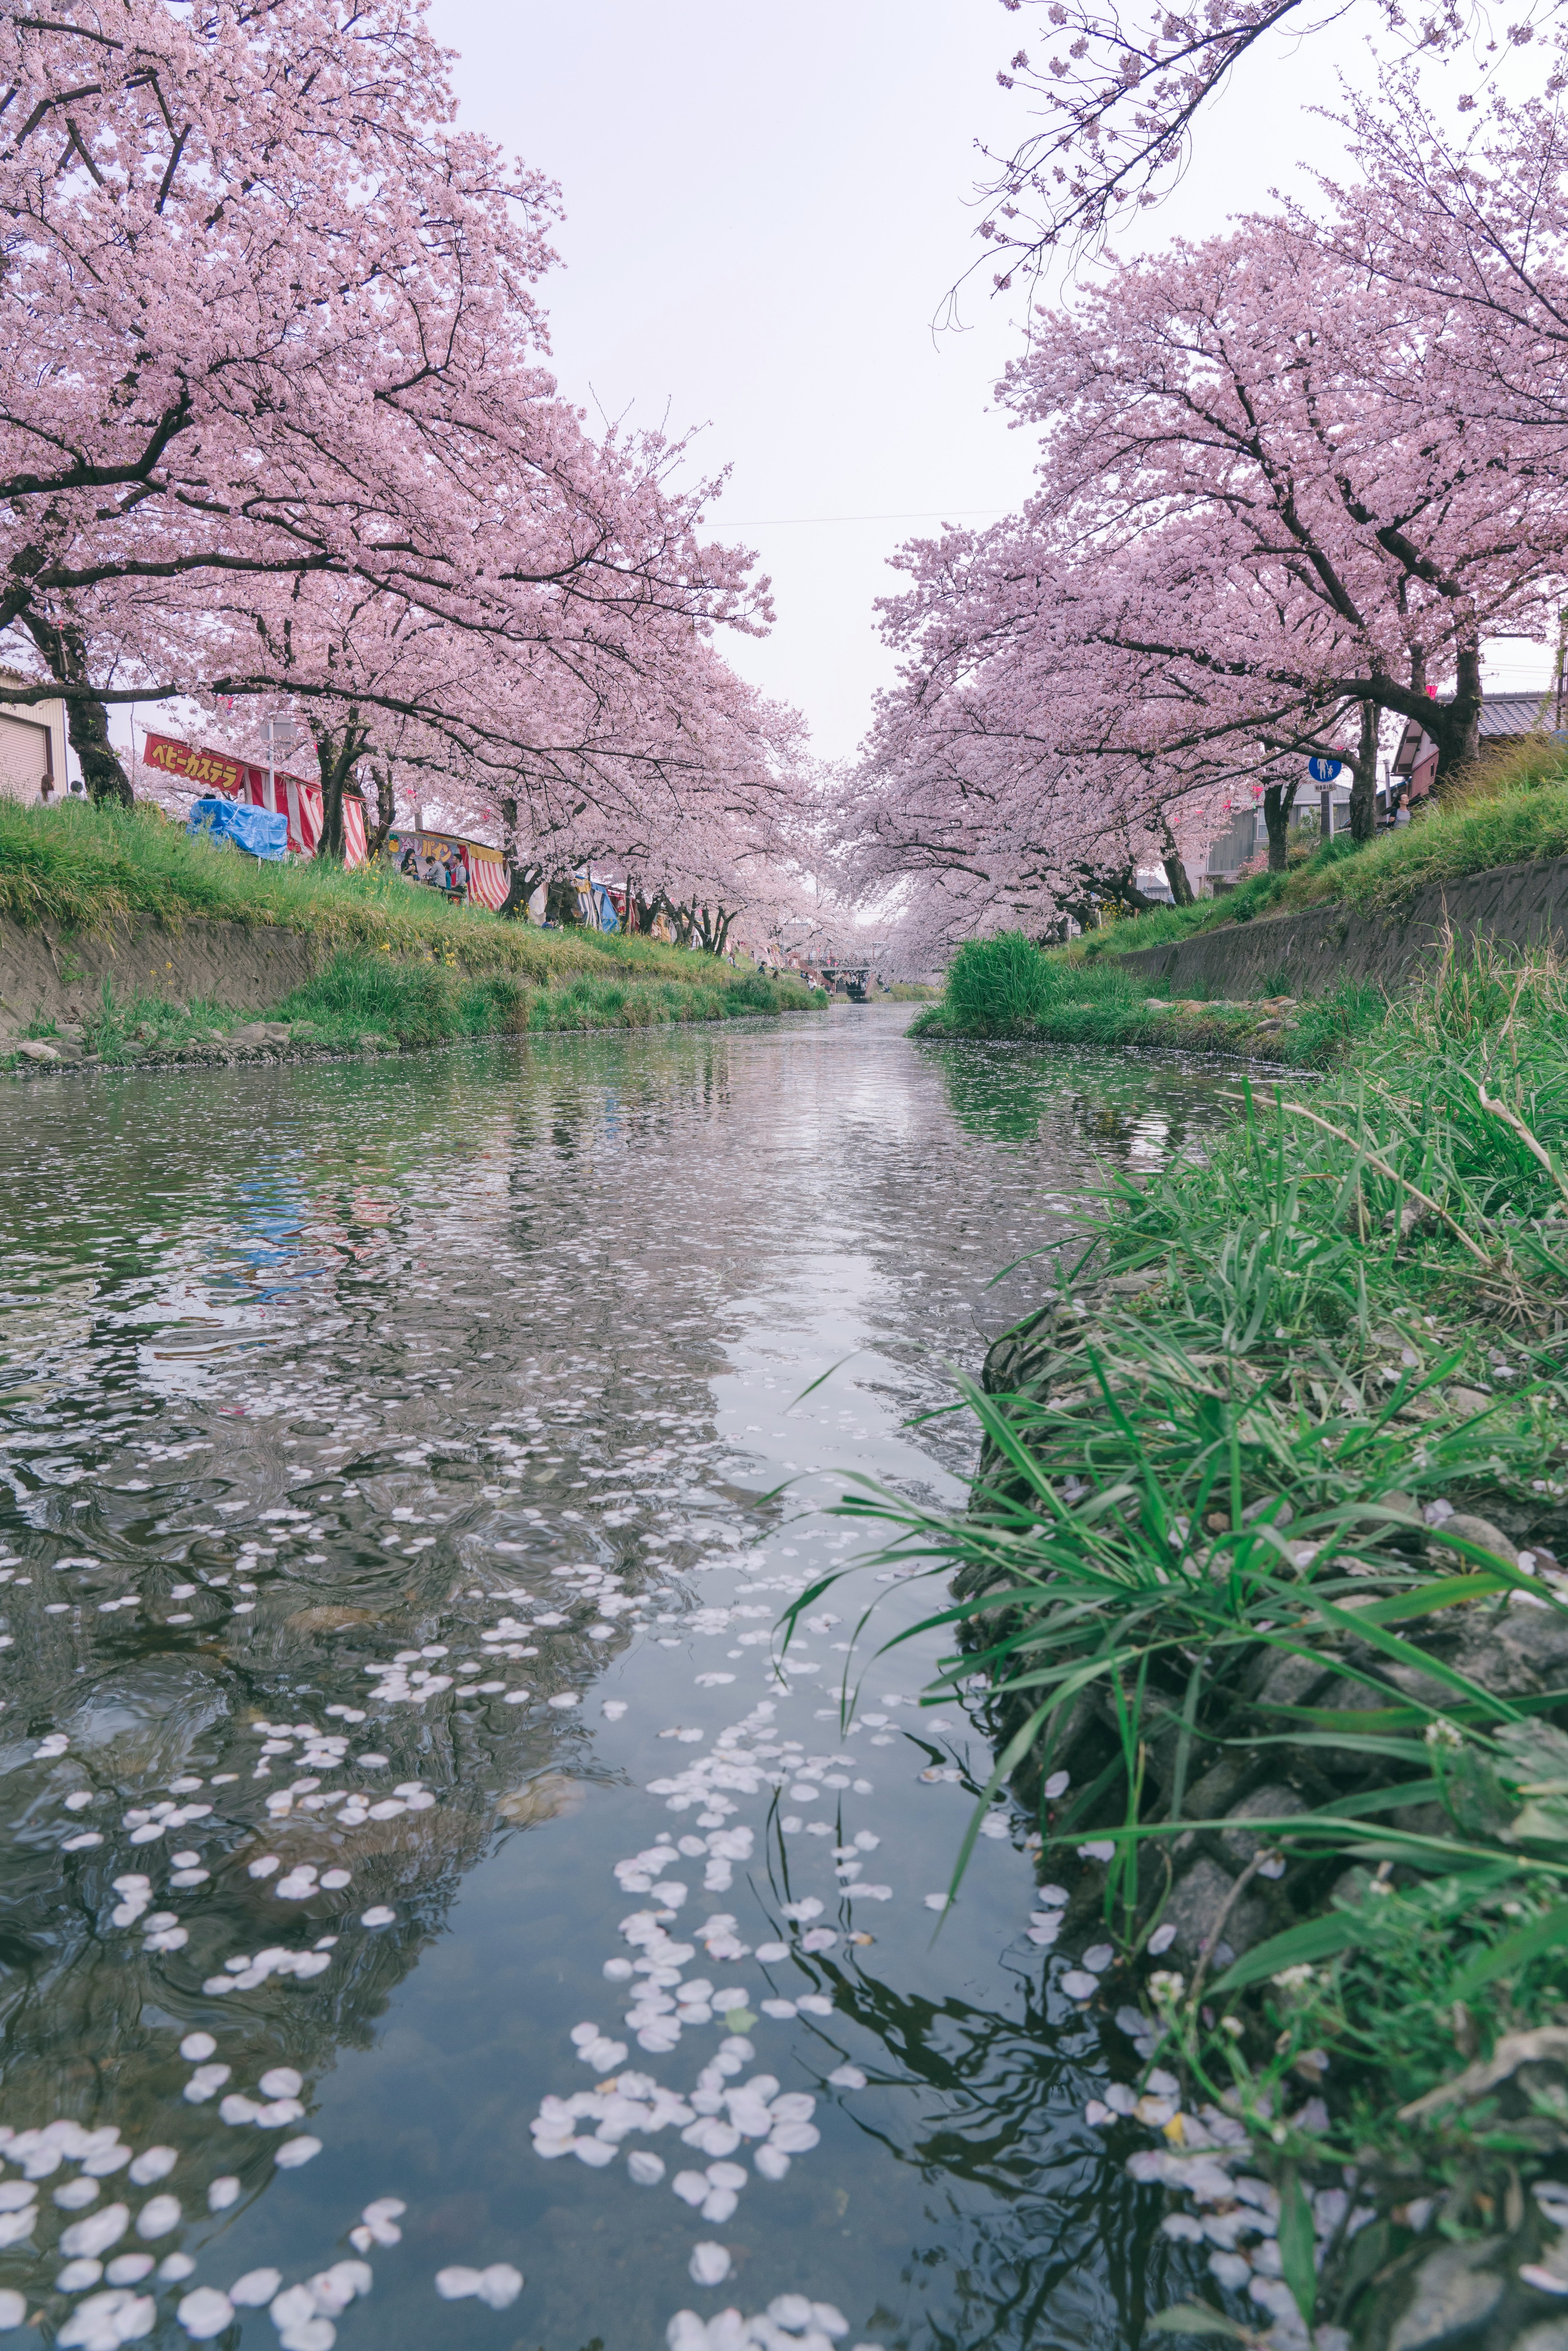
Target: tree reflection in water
x=308 y=1368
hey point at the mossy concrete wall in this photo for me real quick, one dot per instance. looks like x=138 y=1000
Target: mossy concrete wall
x=47 y=974
x=1310 y=952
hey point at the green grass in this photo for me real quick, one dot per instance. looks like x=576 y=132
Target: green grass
x=1514 y=807
x=83 y=868
x=407 y=967
x=1212 y=1455
x=1005 y=987
x=358 y=996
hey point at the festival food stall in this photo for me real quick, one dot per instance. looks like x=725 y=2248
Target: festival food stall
x=469 y=870
x=264 y=788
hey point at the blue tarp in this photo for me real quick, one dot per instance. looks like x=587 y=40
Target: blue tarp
x=255 y=828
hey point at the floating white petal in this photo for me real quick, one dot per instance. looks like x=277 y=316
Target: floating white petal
x=256 y=2287
x=204 y=2314
x=157 y=2217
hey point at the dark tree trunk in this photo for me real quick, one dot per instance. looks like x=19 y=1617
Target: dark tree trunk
x=1279 y=800
x=1176 y=872
x=386 y=808
x=1363 y=779
x=1456 y=725
x=713 y=929
x=87 y=720
x=520 y=887
x=525 y=880
x=561 y=902
x=336 y=756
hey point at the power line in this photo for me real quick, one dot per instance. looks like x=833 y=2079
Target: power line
x=775 y=522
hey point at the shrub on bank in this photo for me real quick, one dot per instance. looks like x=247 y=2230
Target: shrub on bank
x=1006 y=987
x=1267 y=1569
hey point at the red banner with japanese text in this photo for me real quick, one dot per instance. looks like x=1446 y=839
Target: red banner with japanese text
x=284 y=795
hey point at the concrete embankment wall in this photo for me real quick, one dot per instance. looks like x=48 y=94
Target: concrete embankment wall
x=50 y=975
x=1307 y=953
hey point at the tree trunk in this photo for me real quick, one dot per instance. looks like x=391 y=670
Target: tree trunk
x=1279 y=800
x=1456 y=726
x=524 y=881
x=386 y=810
x=1176 y=872
x=1364 y=780
x=335 y=757
x=560 y=903
x=87 y=719
x=514 y=906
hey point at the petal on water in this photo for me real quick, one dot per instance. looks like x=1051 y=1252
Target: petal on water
x=204 y=2314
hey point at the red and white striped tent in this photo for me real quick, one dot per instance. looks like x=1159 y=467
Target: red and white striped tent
x=433 y=857
x=240 y=780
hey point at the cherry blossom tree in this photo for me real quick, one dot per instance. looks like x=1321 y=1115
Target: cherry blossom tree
x=1312 y=437
x=1271 y=508
x=268 y=322
x=1117 y=94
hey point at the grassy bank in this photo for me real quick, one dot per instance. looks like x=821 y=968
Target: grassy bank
x=363 y=1002
x=82 y=868
x=1267 y=1570
x=407 y=968
x=1006 y=987
x=1515 y=808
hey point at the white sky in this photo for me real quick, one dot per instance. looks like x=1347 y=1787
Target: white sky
x=765 y=207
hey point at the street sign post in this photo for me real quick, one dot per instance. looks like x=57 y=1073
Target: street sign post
x=1323 y=772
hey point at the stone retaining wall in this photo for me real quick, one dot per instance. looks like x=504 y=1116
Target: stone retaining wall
x=47 y=974
x=1307 y=953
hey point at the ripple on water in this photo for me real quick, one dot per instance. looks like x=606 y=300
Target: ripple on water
x=355 y=1566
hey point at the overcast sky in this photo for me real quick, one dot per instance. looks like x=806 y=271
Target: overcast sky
x=765 y=208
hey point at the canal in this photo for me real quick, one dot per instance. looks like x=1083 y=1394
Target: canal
x=423 y=1867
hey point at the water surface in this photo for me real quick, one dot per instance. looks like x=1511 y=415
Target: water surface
x=427 y=1443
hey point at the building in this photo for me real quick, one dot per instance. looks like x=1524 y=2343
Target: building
x=33 y=760
x=1506 y=718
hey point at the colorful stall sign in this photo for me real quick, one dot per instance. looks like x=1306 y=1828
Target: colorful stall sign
x=282 y=795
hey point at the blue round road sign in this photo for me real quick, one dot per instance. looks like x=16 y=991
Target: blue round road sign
x=1323 y=771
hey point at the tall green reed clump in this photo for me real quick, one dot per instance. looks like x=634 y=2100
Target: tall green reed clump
x=1000 y=984
x=1007 y=986
x=418 y=1003
x=1207 y=1487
